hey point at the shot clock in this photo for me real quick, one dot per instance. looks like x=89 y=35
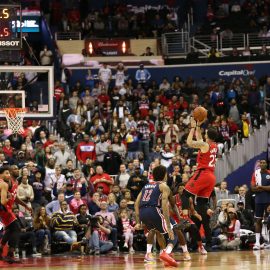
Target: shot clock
x=9 y=40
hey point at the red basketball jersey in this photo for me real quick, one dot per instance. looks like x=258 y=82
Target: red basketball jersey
x=6 y=214
x=208 y=160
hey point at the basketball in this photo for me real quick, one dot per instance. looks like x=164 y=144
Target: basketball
x=200 y=114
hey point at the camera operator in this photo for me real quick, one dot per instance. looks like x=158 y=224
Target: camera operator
x=109 y=220
x=99 y=240
x=245 y=217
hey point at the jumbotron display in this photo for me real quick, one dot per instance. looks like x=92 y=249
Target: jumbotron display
x=9 y=39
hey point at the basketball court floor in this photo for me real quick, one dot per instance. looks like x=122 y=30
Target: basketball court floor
x=235 y=260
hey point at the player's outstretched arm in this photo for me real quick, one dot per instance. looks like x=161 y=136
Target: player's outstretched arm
x=137 y=210
x=165 y=190
x=195 y=143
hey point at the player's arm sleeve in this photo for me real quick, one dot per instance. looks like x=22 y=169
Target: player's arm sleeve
x=137 y=210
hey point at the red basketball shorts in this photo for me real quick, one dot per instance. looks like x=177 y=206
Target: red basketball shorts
x=201 y=184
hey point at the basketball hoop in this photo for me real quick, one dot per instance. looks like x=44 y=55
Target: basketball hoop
x=14 y=118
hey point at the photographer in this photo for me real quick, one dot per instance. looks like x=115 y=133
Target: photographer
x=231 y=238
x=109 y=221
x=99 y=240
x=245 y=217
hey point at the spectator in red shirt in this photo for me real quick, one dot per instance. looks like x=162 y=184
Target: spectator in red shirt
x=143 y=106
x=174 y=104
x=103 y=97
x=233 y=128
x=7 y=149
x=183 y=104
x=26 y=130
x=86 y=149
x=76 y=202
x=102 y=179
x=58 y=91
x=49 y=142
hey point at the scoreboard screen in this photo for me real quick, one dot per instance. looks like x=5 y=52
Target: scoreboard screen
x=9 y=40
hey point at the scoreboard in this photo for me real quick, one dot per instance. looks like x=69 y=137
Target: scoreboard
x=9 y=39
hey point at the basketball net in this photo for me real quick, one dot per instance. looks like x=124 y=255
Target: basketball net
x=14 y=118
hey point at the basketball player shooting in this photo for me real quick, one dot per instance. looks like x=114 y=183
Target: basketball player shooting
x=202 y=183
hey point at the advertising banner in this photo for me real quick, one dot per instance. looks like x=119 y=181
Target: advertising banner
x=114 y=47
x=197 y=72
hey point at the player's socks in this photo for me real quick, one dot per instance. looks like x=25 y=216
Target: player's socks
x=169 y=249
x=149 y=248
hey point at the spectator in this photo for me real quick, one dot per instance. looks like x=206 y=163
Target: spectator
x=54 y=206
x=101 y=149
x=128 y=229
x=63 y=223
x=174 y=179
x=112 y=161
x=76 y=202
x=213 y=53
x=245 y=216
x=232 y=240
x=38 y=188
x=102 y=179
x=147 y=52
x=99 y=240
x=46 y=57
x=112 y=204
x=120 y=75
x=43 y=233
x=130 y=202
x=119 y=147
x=170 y=130
x=109 y=220
x=26 y=194
x=68 y=170
x=144 y=138
x=84 y=222
x=94 y=204
x=27 y=234
x=58 y=180
x=88 y=168
x=142 y=75
x=105 y=75
x=85 y=149
x=123 y=177
x=49 y=171
x=136 y=182
x=117 y=193
x=223 y=192
x=62 y=155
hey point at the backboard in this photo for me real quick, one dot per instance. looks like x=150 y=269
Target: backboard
x=27 y=87
x=12 y=99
